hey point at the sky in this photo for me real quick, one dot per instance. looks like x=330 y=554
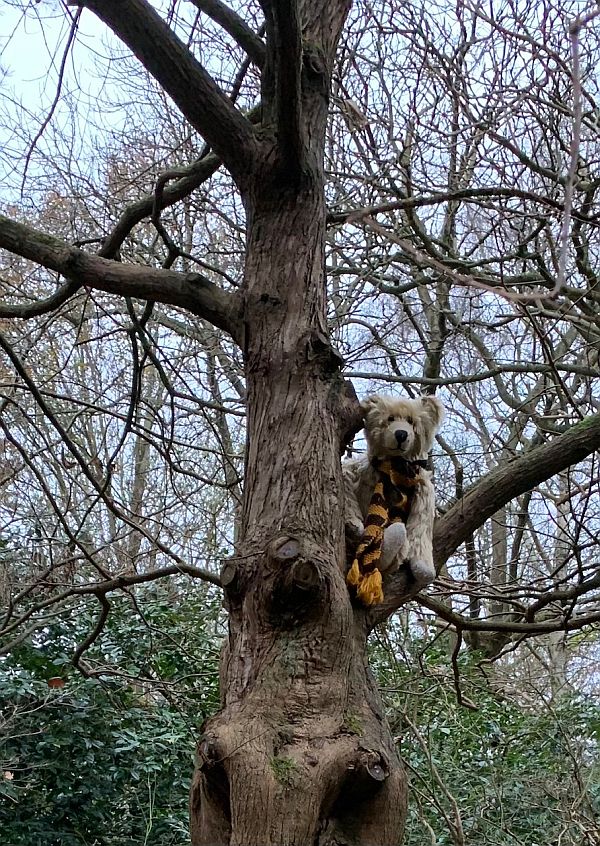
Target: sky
x=33 y=39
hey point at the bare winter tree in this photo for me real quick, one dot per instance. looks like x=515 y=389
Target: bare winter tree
x=386 y=180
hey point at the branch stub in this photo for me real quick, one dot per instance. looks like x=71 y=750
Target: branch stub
x=285 y=549
x=229 y=575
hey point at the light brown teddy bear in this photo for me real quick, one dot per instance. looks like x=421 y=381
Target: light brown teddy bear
x=390 y=500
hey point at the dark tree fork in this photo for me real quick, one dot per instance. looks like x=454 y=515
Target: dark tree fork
x=301 y=752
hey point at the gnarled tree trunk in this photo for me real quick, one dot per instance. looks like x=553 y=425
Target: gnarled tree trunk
x=301 y=752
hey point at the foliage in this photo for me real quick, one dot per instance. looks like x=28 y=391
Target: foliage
x=109 y=762
x=492 y=772
x=103 y=762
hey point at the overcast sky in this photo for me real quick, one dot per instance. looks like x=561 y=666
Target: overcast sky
x=32 y=45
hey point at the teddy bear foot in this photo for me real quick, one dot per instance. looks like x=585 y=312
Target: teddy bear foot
x=394 y=539
x=423 y=572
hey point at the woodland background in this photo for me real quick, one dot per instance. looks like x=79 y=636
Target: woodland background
x=450 y=163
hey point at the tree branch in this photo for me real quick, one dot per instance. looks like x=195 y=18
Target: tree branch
x=191 y=291
x=35 y=309
x=236 y=27
x=100 y=590
x=559 y=623
x=485 y=497
x=466 y=194
x=93 y=635
x=511 y=479
x=287 y=59
x=200 y=99
x=189 y=179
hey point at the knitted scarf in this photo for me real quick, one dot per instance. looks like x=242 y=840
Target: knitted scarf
x=391 y=502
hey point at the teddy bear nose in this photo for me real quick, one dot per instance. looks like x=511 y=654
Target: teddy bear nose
x=400 y=435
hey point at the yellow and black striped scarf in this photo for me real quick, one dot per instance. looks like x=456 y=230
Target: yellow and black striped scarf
x=391 y=502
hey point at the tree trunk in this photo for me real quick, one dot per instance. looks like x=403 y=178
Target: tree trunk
x=301 y=752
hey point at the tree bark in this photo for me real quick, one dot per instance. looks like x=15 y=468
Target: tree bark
x=301 y=752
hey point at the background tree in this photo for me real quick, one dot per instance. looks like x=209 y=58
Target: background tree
x=391 y=181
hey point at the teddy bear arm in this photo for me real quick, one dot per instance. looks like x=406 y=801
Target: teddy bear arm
x=352 y=474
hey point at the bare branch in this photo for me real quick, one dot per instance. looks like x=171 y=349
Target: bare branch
x=526 y=626
x=51 y=303
x=287 y=51
x=236 y=27
x=480 y=282
x=187 y=290
x=187 y=181
x=474 y=194
x=101 y=590
x=93 y=635
x=555 y=624
x=571 y=179
x=510 y=480
x=184 y=79
x=48 y=118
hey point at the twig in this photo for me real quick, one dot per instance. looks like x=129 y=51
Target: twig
x=48 y=118
x=574 y=31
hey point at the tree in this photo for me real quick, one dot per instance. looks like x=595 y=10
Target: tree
x=300 y=752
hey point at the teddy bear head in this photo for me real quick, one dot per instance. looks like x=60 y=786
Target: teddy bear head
x=401 y=427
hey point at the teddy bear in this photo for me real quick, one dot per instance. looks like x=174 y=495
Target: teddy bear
x=390 y=500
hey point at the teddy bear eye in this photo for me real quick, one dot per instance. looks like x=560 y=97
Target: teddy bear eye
x=409 y=420
x=391 y=418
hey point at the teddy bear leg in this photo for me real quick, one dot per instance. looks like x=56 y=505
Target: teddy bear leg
x=394 y=539
x=420 y=536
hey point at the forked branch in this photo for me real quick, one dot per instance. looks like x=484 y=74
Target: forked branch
x=192 y=291
x=236 y=27
x=190 y=178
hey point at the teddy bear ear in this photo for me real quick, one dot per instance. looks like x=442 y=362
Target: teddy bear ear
x=433 y=409
x=369 y=403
